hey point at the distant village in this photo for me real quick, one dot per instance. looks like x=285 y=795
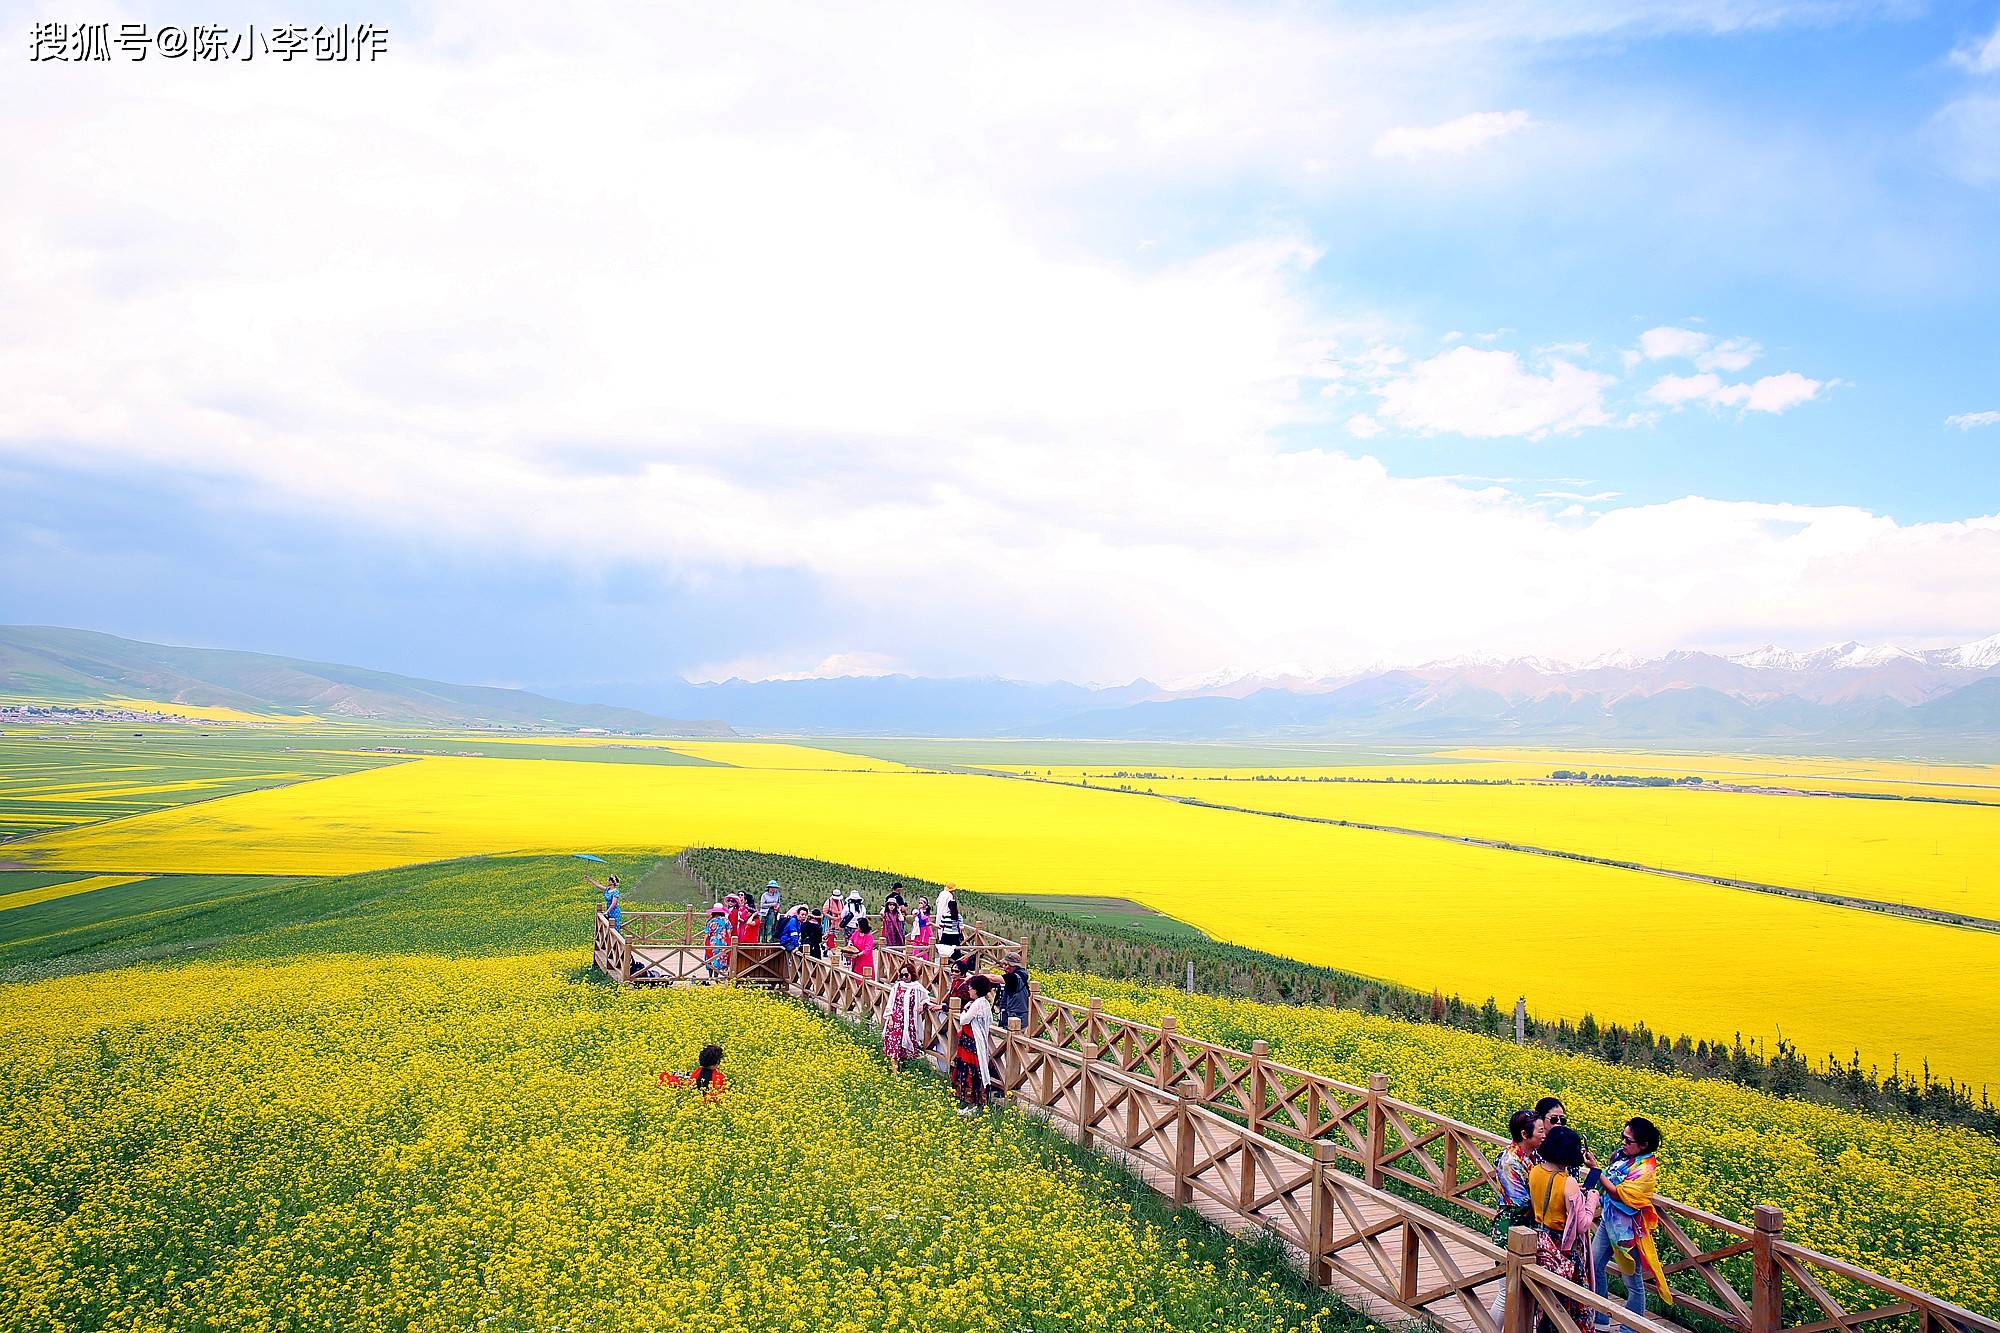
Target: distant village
x=61 y=714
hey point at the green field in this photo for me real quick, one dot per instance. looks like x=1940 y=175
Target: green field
x=61 y=777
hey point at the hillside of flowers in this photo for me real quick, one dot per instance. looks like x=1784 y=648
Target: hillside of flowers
x=375 y=1141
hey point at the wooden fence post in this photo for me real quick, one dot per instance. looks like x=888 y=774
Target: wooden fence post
x=1183 y=1154
x=1767 y=1292
x=1319 y=1245
x=1260 y=1053
x=1521 y=1021
x=1520 y=1257
x=1093 y=1032
x=1011 y=1076
x=1086 y=1097
x=1407 y=1276
x=1163 y=1077
x=1378 y=1127
x=1034 y=1006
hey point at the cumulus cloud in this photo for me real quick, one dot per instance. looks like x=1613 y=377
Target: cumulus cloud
x=1454 y=137
x=1772 y=393
x=1490 y=393
x=1973 y=420
x=1980 y=55
x=1708 y=352
x=784 y=290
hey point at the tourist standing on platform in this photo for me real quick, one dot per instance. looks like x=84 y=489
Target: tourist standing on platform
x=750 y=930
x=908 y=999
x=1014 y=993
x=950 y=929
x=892 y=925
x=792 y=933
x=832 y=922
x=1525 y=1129
x=972 y=1049
x=947 y=903
x=768 y=907
x=862 y=941
x=812 y=933
x=1625 y=1239
x=610 y=890
x=717 y=952
x=1510 y=1173
x=1564 y=1210
x=852 y=910
x=920 y=937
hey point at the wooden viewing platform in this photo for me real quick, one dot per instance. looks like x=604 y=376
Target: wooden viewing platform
x=1383 y=1202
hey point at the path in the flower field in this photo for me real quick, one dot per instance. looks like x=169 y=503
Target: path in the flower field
x=1446 y=1315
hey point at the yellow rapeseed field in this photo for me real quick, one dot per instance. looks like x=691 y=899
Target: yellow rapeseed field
x=1920 y=853
x=69 y=887
x=1572 y=937
x=430 y=1145
x=737 y=754
x=1908 y=778
x=201 y=712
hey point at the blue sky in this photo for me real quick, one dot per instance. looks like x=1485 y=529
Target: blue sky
x=1029 y=342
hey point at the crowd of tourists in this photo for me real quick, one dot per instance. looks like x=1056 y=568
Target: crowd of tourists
x=1591 y=1221
x=841 y=928
x=844 y=930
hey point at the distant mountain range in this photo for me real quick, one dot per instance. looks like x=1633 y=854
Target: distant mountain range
x=72 y=666
x=1848 y=691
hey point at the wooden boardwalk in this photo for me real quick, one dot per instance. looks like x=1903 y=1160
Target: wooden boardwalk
x=1352 y=1180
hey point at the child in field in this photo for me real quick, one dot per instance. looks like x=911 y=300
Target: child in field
x=706 y=1079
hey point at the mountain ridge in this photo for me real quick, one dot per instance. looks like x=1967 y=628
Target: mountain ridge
x=70 y=666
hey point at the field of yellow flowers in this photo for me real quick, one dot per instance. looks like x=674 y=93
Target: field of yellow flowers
x=1924 y=854
x=1917 y=1202
x=425 y=1143
x=1709 y=961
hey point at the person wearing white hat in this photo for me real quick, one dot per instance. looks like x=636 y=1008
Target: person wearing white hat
x=768 y=907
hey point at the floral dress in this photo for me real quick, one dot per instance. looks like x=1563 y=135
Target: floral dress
x=907 y=999
x=717 y=953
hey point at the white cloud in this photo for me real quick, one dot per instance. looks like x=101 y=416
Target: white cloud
x=1972 y=420
x=1772 y=393
x=1981 y=55
x=1967 y=137
x=1453 y=136
x=1776 y=393
x=783 y=289
x=1661 y=343
x=1489 y=393
x=1708 y=352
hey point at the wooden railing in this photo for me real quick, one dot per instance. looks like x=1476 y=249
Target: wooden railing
x=1349 y=1177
